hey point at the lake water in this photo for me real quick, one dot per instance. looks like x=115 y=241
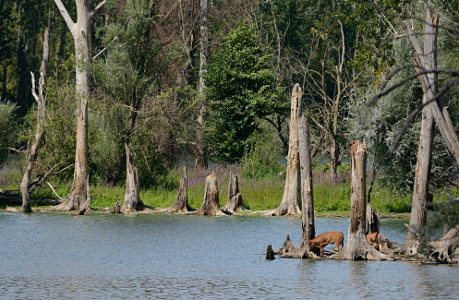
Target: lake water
x=59 y=256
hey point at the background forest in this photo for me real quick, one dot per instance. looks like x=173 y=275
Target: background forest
x=207 y=85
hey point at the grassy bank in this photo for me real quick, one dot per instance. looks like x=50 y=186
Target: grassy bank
x=329 y=197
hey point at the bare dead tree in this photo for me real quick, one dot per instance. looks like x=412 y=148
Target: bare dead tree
x=79 y=197
x=41 y=115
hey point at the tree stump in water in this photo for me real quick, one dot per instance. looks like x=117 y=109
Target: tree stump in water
x=234 y=196
x=446 y=249
x=357 y=246
x=290 y=204
x=210 y=205
x=270 y=253
x=181 y=204
x=288 y=249
x=132 y=200
x=117 y=207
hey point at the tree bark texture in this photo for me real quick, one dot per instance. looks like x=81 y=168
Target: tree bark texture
x=132 y=200
x=201 y=159
x=357 y=246
x=307 y=199
x=418 y=215
x=181 y=204
x=41 y=115
x=234 y=203
x=372 y=220
x=446 y=249
x=210 y=205
x=290 y=204
x=79 y=197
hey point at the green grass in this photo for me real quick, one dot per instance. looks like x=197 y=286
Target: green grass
x=329 y=198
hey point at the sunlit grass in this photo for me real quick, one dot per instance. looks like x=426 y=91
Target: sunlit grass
x=257 y=194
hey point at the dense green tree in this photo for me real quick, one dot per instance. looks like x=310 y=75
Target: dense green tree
x=242 y=90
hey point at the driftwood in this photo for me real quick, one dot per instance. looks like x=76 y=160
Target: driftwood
x=181 y=204
x=210 y=205
x=234 y=202
x=357 y=246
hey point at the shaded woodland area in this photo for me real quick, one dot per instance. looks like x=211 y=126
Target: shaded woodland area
x=118 y=92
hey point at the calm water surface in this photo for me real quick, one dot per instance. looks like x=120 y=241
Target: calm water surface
x=58 y=256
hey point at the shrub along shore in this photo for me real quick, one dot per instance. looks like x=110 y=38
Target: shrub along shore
x=258 y=194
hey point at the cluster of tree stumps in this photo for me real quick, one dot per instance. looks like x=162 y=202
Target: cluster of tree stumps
x=211 y=204
x=364 y=240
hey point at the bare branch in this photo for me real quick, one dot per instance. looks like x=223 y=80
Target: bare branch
x=54 y=191
x=68 y=20
x=34 y=92
x=96 y=9
x=416 y=111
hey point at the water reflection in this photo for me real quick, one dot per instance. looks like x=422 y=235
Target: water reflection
x=103 y=256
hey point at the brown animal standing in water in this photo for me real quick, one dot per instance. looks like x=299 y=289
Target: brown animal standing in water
x=322 y=240
x=373 y=239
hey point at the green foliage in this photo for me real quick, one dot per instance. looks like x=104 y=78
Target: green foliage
x=380 y=124
x=7 y=128
x=262 y=161
x=241 y=88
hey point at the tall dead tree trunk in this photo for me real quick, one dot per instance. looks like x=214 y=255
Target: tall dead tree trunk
x=418 y=215
x=357 y=246
x=132 y=200
x=41 y=107
x=290 y=204
x=201 y=159
x=181 y=204
x=307 y=200
x=234 y=202
x=210 y=205
x=440 y=115
x=79 y=197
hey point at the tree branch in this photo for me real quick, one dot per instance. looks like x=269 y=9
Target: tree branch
x=68 y=20
x=96 y=9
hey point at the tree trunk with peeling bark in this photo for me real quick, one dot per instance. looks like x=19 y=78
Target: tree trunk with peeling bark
x=234 y=202
x=41 y=107
x=181 y=204
x=307 y=200
x=418 y=215
x=357 y=246
x=290 y=204
x=210 y=205
x=79 y=197
x=132 y=200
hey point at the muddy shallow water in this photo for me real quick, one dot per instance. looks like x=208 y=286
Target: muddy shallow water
x=56 y=256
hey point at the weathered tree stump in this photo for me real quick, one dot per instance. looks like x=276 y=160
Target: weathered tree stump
x=290 y=204
x=270 y=253
x=288 y=249
x=446 y=249
x=132 y=200
x=210 y=205
x=181 y=204
x=117 y=207
x=372 y=220
x=234 y=203
x=357 y=246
